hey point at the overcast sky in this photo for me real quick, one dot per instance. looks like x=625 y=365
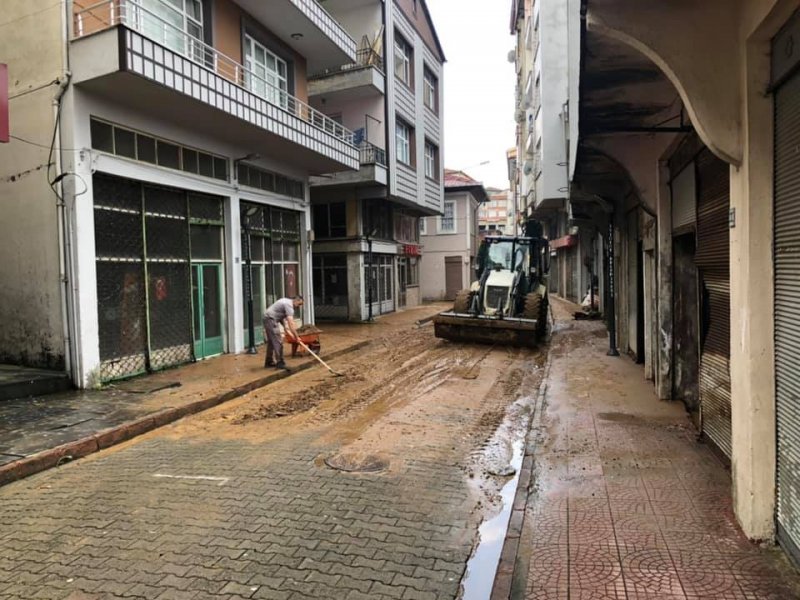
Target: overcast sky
x=478 y=86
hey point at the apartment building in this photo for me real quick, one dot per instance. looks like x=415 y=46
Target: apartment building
x=451 y=240
x=496 y=215
x=159 y=176
x=546 y=59
x=367 y=249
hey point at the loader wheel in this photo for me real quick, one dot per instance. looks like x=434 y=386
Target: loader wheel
x=536 y=308
x=462 y=301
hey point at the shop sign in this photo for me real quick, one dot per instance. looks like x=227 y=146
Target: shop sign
x=412 y=250
x=565 y=242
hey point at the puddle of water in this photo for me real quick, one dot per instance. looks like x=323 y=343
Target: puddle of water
x=482 y=566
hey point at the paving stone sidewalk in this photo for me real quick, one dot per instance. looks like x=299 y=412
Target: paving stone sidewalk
x=625 y=502
x=40 y=432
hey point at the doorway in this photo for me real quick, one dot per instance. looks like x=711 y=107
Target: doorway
x=453 y=280
x=208 y=314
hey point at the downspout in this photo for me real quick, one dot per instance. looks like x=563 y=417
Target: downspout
x=71 y=358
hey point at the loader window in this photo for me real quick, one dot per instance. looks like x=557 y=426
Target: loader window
x=500 y=254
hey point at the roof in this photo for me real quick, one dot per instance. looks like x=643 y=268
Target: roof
x=453 y=178
x=460 y=181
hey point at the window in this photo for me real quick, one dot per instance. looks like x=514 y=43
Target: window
x=403 y=59
x=423 y=226
x=267 y=74
x=275 y=249
x=330 y=280
x=330 y=220
x=406 y=228
x=430 y=91
x=403 y=140
x=378 y=218
x=146 y=148
x=270 y=182
x=431 y=161
x=447 y=222
x=170 y=22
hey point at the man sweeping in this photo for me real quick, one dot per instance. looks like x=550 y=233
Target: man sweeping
x=280 y=313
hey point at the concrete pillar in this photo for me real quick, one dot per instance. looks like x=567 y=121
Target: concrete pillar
x=356 y=287
x=663 y=370
x=752 y=308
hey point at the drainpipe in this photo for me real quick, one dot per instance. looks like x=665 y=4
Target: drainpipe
x=71 y=355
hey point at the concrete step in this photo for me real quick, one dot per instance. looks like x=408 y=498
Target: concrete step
x=21 y=382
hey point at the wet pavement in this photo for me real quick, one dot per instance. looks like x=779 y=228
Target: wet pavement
x=371 y=485
x=33 y=424
x=626 y=503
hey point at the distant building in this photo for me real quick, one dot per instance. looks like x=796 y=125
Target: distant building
x=496 y=216
x=450 y=242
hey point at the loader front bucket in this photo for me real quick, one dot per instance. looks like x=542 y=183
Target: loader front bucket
x=459 y=327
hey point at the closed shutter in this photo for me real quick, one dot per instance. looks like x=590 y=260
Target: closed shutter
x=684 y=206
x=787 y=300
x=713 y=263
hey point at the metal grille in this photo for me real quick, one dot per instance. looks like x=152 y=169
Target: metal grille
x=713 y=262
x=121 y=295
x=143 y=276
x=787 y=295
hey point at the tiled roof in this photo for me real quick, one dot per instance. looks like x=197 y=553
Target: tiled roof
x=454 y=179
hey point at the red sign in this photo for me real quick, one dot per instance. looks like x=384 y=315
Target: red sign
x=564 y=242
x=4 y=103
x=412 y=250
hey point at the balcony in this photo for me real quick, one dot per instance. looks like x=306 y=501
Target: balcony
x=307 y=28
x=373 y=170
x=131 y=55
x=364 y=77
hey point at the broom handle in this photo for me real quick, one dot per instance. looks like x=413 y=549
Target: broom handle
x=314 y=354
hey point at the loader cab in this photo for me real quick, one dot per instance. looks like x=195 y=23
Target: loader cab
x=510 y=254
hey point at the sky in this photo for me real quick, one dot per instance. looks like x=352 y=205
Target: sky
x=478 y=86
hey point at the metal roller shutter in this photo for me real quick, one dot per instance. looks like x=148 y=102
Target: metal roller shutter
x=713 y=262
x=684 y=208
x=787 y=299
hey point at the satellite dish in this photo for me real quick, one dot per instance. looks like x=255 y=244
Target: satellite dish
x=527 y=168
x=512 y=56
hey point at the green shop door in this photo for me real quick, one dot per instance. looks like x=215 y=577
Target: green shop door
x=207 y=305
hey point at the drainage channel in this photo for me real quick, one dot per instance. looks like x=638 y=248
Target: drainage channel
x=482 y=565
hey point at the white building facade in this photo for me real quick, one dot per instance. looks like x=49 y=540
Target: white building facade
x=547 y=61
x=450 y=241
x=183 y=146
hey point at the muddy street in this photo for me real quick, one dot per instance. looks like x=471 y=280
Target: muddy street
x=369 y=485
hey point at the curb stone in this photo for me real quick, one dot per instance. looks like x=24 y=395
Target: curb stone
x=505 y=574
x=54 y=457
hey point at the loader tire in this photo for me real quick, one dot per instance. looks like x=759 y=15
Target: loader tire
x=462 y=301
x=536 y=308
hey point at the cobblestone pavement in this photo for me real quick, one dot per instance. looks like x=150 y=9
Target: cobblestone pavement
x=627 y=503
x=238 y=502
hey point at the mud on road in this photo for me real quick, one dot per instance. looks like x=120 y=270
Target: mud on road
x=372 y=483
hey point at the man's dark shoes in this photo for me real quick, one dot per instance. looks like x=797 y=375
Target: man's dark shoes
x=282 y=365
x=269 y=363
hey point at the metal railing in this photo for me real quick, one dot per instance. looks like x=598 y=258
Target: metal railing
x=365 y=58
x=371 y=154
x=326 y=23
x=131 y=14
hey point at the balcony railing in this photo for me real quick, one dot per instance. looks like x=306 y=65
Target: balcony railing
x=371 y=154
x=365 y=57
x=131 y=14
